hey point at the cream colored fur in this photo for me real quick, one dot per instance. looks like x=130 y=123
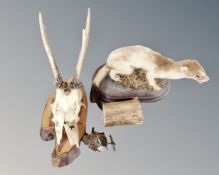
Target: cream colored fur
x=103 y=71
x=126 y=59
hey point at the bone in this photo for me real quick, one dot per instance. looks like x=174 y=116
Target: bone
x=65 y=114
x=64 y=153
x=72 y=134
x=48 y=50
x=85 y=40
x=97 y=141
x=65 y=111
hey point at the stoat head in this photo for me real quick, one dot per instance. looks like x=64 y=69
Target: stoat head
x=194 y=70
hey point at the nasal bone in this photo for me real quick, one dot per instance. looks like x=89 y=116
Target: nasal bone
x=67 y=90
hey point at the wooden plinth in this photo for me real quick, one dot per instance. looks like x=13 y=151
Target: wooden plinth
x=122 y=113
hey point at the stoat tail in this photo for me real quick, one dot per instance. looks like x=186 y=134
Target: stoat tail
x=101 y=74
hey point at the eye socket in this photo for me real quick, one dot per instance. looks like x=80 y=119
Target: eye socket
x=71 y=84
x=65 y=85
x=59 y=84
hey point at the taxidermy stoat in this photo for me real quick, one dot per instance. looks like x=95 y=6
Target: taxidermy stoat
x=126 y=59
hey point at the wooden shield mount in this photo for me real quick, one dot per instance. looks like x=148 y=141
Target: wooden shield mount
x=64 y=153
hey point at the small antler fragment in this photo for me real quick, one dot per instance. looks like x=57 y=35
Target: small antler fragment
x=97 y=141
x=112 y=143
x=85 y=40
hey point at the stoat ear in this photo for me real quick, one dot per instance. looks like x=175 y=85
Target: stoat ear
x=184 y=69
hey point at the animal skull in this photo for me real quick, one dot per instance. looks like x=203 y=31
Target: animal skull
x=69 y=95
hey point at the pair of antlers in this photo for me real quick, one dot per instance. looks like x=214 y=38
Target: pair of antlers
x=85 y=39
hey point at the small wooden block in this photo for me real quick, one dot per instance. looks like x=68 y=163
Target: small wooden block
x=127 y=112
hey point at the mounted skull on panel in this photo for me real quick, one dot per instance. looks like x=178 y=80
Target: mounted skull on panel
x=68 y=101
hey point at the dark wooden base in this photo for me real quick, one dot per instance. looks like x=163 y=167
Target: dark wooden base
x=66 y=158
x=47 y=135
x=111 y=91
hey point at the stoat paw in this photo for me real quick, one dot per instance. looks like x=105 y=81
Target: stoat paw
x=115 y=77
x=156 y=88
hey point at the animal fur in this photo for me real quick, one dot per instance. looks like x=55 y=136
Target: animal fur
x=125 y=60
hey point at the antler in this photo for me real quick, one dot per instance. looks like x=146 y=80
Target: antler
x=112 y=143
x=55 y=70
x=85 y=39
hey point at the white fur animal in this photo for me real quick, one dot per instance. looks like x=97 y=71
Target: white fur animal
x=124 y=60
x=68 y=99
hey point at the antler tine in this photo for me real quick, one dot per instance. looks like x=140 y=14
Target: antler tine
x=85 y=40
x=55 y=70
